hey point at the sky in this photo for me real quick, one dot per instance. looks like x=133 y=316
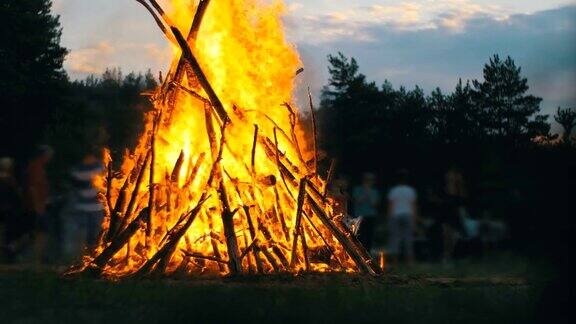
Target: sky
x=428 y=43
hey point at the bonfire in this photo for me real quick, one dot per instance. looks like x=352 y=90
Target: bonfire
x=224 y=180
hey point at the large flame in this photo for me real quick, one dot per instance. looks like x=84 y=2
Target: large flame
x=242 y=49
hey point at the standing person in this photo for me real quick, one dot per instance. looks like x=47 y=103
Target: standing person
x=366 y=200
x=402 y=215
x=455 y=195
x=36 y=195
x=87 y=208
x=10 y=203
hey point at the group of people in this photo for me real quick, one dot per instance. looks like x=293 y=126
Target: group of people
x=29 y=223
x=364 y=206
x=23 y=205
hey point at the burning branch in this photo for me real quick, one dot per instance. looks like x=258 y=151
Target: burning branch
x=297 y=224
x=157 y=230
x=187 y=52
x=314 y=131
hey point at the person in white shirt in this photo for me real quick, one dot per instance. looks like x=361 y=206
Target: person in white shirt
x=402 y=214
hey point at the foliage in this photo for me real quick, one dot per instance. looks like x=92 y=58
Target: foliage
x=566 y=118
x=359 y=120
x=33 y=82
x=105 y=111
x=507 y=113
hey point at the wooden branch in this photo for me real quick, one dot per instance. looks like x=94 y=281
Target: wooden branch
x=271 y=149
x=195 y=169
x=314 y=131
x=119 y=241
x=205 y=257
x=109 y=179
x=283 y=170
x=198 y=17
x=298 y=218
x=113 y=217
x=359 y=247
x=305 y=249
x=211 y=133
x=135 y=192
x=362 y=260
x=329 y=177
x=234 y=263
x=270 y=259
x=315 y=191
x=248 y=248
x=191 y=92
x=252 y=232
x=165 y=252
x=293 y=120
x=280 y=214
x=291 y=140
x=151 y=176
x=161 y=12
x=174 y=177
x=268 y=236
x=254 y=142
x=192 y=34
x=187 y=53
x=318 y=232
x=120 y=205
x=214 y=244
x=159 y=21
x=277 y=151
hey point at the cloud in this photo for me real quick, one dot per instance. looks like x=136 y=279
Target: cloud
x=89 y=59
x=452 y=15
x=456 y=44
x=295 y=6
x=94 y=59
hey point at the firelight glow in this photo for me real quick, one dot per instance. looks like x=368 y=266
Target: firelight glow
x=224 y=179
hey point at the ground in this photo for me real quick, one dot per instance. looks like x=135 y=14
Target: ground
x=498 y=291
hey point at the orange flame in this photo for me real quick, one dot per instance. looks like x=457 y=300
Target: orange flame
x=242 y=49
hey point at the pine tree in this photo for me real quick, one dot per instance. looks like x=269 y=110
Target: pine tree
x=32 y=79
x=507 y=111
x=567 y=119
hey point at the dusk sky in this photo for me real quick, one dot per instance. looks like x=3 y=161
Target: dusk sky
x=425 y=42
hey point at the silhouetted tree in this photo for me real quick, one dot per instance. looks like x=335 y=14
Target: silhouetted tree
x=463 y=120
x=507 y=112
x=105 y=111
x=345 y=101
x=567 y=119
x=383 y=128
x=32 y=82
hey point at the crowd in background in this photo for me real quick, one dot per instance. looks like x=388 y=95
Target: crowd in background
x=400 y=223
x=39 y=226
x=403 y=223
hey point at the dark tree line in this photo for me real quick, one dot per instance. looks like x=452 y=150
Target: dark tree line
x=567 y=119
x=33 y=83
x=105 y=111
x=371 y=127
x=490 y=128
x=40 y=105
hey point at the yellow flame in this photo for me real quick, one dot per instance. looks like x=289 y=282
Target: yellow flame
x=242 y=49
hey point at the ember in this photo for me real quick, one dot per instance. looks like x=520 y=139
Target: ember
x=224 y=180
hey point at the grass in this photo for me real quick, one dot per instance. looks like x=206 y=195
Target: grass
x=44 y=297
